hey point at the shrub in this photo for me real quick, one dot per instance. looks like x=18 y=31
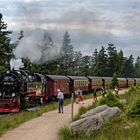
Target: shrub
x=133 y=110
x=111 y=100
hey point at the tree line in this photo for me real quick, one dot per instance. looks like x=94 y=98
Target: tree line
x=107 y=61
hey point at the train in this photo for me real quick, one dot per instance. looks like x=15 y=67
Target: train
x=21 y=89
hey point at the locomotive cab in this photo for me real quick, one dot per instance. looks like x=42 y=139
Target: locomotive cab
x=9 y=92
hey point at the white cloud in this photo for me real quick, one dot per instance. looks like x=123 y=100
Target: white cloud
x=90 y=23
x=28 y=1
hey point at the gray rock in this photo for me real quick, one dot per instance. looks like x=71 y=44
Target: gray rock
x=87 y=125
x=95 y=111
x=93 y=122
x=110 y=113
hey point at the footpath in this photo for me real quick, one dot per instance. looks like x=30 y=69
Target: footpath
x=47 y=126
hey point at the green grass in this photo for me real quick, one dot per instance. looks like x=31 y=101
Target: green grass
x=117 y=129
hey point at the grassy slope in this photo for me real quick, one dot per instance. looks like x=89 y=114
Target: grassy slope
x=117 y=129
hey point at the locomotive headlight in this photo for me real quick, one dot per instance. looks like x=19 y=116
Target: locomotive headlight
x=13 y=94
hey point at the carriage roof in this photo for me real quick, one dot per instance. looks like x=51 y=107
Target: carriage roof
x=57 y=77
x=78 y=77
x=94 y=77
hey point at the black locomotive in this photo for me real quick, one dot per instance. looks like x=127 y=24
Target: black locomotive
x=20 y=89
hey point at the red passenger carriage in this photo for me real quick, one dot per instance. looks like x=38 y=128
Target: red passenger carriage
x=137 y=81
x=95 y=83
x=130 y=82
x=122 y=83
x=78 y=82
x=55 y=82
x=107 y=81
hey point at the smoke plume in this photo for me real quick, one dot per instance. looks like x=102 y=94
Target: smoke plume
x=37 y=46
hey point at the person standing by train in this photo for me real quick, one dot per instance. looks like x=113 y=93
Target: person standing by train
x=116 y=90
x=81 y=98
x=60 y=97
x=103 y=91
x=94 y=95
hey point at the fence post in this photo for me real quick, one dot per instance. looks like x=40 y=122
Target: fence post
x=72 y=106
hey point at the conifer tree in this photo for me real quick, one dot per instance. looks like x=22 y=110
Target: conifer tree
x=67 y=54
x=112 y=59
x=5 y=49
x=114 y=81
x=137 y=67
x=102 y=63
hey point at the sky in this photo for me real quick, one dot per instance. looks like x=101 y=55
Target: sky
x=90 y=23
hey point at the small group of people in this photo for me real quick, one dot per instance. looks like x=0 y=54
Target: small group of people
x=103 y=92
x=79 y=96
x=60 y=97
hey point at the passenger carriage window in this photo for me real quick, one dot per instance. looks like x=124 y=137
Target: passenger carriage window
x=75 y=83
x=78 y=83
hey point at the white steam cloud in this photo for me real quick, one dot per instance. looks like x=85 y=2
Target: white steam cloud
x=16 y=64
x=38 y=47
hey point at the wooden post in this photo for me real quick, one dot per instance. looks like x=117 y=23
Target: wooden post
x=72 y=105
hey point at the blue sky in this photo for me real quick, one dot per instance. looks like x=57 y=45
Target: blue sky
x=90 y=23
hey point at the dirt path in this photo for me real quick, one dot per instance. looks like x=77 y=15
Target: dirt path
x=47 y=126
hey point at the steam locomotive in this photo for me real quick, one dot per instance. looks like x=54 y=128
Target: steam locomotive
x=22 y=89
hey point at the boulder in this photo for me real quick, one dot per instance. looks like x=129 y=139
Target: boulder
x=95 y=111
x=110 y=113
x=92 y=123
x=87 y=125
